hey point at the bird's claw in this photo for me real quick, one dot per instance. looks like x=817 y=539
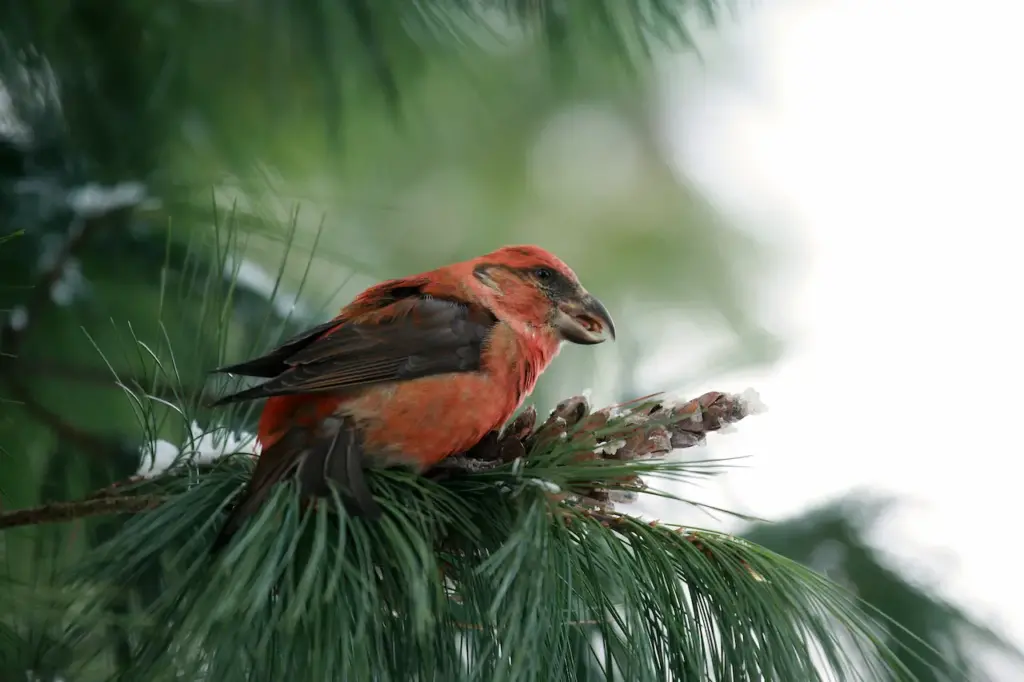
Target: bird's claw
x=497 y=448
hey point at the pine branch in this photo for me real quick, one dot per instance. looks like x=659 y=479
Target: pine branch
x=648 y=434
x=60 y=512
x=508 y=549
x=501 y=555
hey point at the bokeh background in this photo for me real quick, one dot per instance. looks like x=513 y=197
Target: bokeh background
x=812 y=197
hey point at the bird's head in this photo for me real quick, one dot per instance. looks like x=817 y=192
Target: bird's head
x=528 y=285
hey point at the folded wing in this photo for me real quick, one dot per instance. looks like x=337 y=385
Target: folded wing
x=411 y=338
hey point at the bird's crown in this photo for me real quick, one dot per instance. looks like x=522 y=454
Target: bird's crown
x=529 y=256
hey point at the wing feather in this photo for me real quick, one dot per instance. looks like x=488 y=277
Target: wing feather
x=408 y=339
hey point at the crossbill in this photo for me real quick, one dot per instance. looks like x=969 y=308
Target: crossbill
x=412 y=371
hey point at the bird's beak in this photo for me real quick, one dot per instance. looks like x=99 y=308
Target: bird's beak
x=583 y=319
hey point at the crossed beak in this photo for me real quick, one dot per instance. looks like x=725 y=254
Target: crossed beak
x=584 y=320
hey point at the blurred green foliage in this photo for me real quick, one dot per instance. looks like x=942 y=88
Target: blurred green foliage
x=832 y=540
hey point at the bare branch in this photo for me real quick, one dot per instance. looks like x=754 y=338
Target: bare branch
x=60 y=512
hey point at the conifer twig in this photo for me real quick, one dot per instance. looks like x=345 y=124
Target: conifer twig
x=651 y=426
x=644 y=428
x=59 y=512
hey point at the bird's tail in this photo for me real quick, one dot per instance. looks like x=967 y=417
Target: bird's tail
x=333 y=454
x=255 y=494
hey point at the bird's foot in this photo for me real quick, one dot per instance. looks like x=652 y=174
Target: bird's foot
x=467 y=464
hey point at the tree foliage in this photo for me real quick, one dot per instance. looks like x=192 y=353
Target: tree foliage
x=514 y=568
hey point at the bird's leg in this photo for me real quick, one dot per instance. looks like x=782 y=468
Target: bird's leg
x=488 y=449
x=494 y=449
x=471 y=465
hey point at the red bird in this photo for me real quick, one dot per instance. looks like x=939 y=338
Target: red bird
x=412 y=371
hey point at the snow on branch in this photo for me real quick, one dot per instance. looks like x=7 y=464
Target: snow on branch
x=202 y=447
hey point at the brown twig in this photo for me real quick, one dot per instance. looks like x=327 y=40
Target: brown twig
x=115 y=488
x=60 y=512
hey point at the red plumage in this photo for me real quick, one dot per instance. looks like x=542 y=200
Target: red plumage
x=414 y=370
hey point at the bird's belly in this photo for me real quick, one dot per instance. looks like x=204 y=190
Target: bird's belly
x=421 y=422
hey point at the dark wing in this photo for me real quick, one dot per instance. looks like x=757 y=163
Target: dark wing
x=373 y=299
x=273 y=363
x=409 y=339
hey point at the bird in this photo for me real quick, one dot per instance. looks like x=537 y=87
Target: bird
x=412 y=371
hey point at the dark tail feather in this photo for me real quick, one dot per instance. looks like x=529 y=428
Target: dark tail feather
x=339 y=459
x=255 y=494
x=250 y=504
x=334 y=454
x=275 y=362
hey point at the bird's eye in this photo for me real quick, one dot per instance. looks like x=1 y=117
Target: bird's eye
x=542 y=274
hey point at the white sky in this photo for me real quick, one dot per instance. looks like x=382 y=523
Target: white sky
x=891 y=132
